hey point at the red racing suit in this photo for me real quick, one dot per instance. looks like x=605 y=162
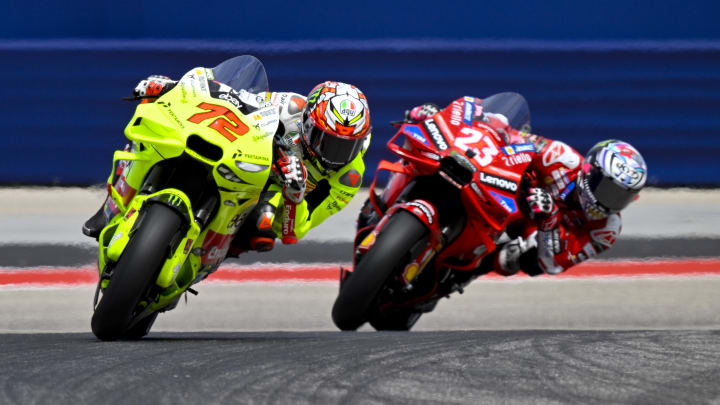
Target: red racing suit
x=570 y=236
x=549 y=245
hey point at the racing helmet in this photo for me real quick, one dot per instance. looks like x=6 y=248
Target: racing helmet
x=611 y=177
x=336 y=123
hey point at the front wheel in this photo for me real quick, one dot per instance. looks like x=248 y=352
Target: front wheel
x=134 y=275
x=387 y=257
x=398 y=319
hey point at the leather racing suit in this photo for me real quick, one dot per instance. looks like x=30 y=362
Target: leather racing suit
x=544 y=244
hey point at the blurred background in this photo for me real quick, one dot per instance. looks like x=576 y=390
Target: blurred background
x=644 y=71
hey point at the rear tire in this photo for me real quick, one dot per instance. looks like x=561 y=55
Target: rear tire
x=135 y=274
x=388 y=256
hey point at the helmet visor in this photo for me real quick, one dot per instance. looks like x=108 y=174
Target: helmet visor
x=607 y=192
x=333 y=150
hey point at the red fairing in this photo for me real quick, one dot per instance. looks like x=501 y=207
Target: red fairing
x=471 y=155
x=215 y=247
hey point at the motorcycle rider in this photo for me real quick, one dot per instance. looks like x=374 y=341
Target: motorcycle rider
x=573 y=203
x=320 y=143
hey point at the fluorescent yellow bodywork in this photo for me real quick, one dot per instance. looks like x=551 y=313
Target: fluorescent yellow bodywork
x=160 y=131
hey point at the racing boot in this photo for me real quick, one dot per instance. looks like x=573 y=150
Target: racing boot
x=515 y=255
x=256 y=233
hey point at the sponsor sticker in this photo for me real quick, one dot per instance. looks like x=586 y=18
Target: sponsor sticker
x=130 y=213
x=424 y=209
x=347 y=107
x=567 y=191
x=524 y=147
x=468 y=110
x=506 y=202
x=416 y=133
x=605 y=237
x=517 y=159
x=228 y=97
x=435 y=134
x=560 y=152
x=456 y=113
x=188 y=245
x=518 y=148
x=498 y=182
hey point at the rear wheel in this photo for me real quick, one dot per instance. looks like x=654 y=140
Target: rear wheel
x=387 y=257
x=134 y=275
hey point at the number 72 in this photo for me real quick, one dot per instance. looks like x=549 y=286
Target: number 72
x=221 y=124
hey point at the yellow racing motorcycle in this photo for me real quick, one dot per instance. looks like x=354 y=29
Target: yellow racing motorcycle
x=199 y=164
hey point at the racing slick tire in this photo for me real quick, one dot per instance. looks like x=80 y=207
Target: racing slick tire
x=134 y=275
x=386 y=258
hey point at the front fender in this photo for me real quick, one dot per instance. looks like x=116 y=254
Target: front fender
x=423 y=210
x=122 y=229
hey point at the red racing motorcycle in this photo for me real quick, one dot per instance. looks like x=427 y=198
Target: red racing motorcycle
x=447 y=202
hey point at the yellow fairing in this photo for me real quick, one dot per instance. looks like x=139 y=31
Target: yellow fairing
x=188 y=120
x=238 y=150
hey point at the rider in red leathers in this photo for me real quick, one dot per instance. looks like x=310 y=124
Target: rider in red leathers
x=573 y=202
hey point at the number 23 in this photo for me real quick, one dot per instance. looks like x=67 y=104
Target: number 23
x=485 y=157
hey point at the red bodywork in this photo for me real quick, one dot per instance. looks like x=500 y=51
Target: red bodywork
x=455 y=140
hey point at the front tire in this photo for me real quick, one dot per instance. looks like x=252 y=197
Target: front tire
x=386 y=258
x=135 y=273
x=401 y=319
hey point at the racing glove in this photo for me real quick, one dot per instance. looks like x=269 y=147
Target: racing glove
x=293 y=178
x=154 y=85
x=421 y=112
x=542 y=208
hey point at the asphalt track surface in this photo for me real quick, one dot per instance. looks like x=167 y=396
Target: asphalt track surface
x=520 y=341
x=491 y=367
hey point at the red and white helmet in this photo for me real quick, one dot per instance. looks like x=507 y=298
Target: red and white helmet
x=336 y=123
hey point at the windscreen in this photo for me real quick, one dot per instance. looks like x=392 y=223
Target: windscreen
x=243 y=72
x=513 y=106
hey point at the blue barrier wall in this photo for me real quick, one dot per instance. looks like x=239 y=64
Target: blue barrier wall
x=646 y=71
x=312 y=19
x=61 y=115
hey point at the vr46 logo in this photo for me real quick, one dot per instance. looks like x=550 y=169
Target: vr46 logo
x=221 y=124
